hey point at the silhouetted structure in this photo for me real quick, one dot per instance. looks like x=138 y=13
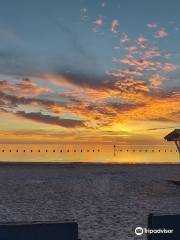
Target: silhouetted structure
x=170 y=223
x=175 y=137
x=39 y=231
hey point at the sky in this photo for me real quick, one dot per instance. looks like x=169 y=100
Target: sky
x=91 y=71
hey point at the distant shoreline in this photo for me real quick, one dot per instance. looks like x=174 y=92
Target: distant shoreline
x=88 y=164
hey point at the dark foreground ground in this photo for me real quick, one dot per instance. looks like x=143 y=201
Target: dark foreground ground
x=107 y=201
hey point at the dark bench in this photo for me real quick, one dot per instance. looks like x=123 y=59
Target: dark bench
x=39 y=231
x=164 y=222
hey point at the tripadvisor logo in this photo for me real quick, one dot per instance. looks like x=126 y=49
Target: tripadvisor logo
x=140 y=231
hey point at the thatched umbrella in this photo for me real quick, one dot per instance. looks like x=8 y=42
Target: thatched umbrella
x=175 y=137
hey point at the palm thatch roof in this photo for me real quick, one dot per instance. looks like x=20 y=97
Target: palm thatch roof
x=173 y=136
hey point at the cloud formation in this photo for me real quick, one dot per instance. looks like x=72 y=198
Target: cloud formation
x=132 y=88
x=25 y=88
x=161 y=33
x=49 y=119
x=114 y=26
x=152 y=25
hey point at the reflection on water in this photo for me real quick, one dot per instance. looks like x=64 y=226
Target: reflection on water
x=88 y=153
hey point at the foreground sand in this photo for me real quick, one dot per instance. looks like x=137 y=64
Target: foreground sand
x=108 y=201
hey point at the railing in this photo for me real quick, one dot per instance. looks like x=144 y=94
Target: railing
x=142 y=148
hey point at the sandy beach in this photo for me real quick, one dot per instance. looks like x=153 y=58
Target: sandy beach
x=107 y=201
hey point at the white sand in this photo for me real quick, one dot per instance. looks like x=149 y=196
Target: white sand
x=108 y=202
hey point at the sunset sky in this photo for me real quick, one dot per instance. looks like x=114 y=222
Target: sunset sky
x=83 y=70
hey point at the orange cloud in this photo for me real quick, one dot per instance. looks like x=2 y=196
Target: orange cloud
x=168 y=67
x=132 y=49
x=161 y=33
x=141 y=40
x=139 y=63
x=151 y=54
x=25 y=88
x=123 y=101
x=126 y=72
x=156 y=80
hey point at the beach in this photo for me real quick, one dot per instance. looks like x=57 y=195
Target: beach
x=107 y=200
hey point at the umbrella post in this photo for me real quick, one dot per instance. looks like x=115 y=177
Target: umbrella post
x=178 y=146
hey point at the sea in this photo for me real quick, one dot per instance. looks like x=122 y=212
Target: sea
x=92 y=153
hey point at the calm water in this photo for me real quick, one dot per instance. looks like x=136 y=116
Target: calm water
x=88 y=153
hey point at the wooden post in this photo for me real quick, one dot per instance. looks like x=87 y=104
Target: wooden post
x=114 y=150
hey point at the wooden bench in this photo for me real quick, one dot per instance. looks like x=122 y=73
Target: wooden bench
x=39 y=231
x=168 y=222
